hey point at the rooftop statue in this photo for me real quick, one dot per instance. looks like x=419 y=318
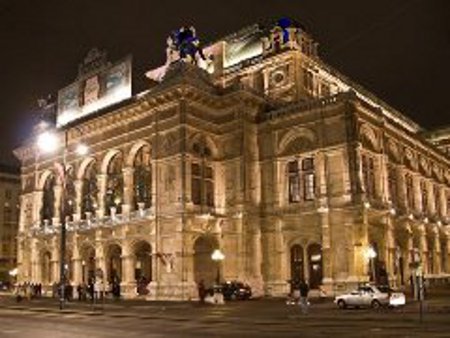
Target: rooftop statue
x=183 y=44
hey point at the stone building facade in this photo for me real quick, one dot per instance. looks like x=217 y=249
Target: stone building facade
x=257 y=148
x=9 y=220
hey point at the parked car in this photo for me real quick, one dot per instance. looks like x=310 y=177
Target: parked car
x=396 y=298
x=235 y=290
x=370 y=296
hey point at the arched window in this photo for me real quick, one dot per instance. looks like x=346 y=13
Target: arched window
x=368 y=173
x=202 y=176
x=48 y=199
x=89 y=190
x=114 y=185
x=301 y=180
x=142 y=178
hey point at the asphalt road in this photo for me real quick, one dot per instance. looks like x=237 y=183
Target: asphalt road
x=259 y=318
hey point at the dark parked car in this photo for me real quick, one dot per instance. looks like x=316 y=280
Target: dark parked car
x=236 y=291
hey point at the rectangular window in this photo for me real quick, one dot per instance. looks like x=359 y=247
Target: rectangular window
x=437 y=200
x=309 y=186
x=8 y=194
x=209 y=191
x=196 y=191
x=308 y=80
x=409 y=192
x=392 y=185
x=325 y=89
x=368 y=171
x=293 y=182
x=209 y=186
x=309 y=183
x=424 y=194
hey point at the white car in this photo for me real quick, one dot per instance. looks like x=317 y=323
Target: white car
x=370 y=296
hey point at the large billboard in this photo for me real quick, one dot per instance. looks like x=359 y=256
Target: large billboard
x=94 y=92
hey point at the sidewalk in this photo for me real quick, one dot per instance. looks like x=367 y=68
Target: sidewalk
x=437 y=301
x=113 y=308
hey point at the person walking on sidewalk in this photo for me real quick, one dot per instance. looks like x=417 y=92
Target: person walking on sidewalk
x=201 y=291
x=304 y=289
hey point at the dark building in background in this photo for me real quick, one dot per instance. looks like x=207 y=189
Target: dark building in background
x=9 y=221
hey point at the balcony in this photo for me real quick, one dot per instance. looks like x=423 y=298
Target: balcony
x=92 y=222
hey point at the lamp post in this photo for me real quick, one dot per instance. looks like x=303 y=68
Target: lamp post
x=218 y=256
x=371 y=254
x=48 y=142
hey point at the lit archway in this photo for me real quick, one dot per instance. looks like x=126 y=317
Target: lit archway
x=297 y=270
x=205 y=269
x=315 y=265
x=88 y=264
x=46 y=268
x=114 y=262
x=143 y=266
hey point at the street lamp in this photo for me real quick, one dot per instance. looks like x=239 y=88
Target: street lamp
x=371 y=254
x=48 y=142
x=218 y=256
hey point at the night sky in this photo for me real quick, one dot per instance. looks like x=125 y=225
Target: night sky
x=397 y=49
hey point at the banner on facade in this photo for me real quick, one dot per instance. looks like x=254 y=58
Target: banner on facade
x=94 y=91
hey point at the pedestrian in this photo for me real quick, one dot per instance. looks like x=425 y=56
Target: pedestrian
x=201 y=291
x=79 y=292
x=304 y=289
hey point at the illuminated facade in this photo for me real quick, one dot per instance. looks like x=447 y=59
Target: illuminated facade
x=9 y=220
x=258 y=148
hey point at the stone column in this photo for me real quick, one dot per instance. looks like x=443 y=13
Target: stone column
x=78 y=199
x=128 y=284
x=408 y=254
x=401 y=188
x=77 y=270
x=384 y=184
x=58 y=189
x=254 y=260
x=100 y=254
x=389 y=247
x=76 y=263
x=437 y=252
x=101 y=181
x=417 y=193
x=447 y=251
x=326 y=248
x=128 y=190
x=37 y=205
x=360 y=269
x=273 y=249
x=423 y=248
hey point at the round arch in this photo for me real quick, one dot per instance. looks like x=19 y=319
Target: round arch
x=129 y=161
x=84 y=165
x=107 y=159
x=206 y=141
x=43 y=178
x=142 y=251
x=294 y=136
